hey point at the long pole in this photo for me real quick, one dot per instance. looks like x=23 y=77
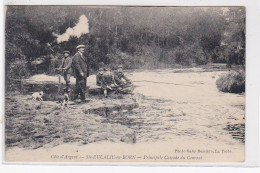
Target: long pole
x=169 y=83
x=59 y=76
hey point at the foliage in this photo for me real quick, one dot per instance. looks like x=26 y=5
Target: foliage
x=233 y=38
x=137 y=37
x=233 y=82
x=18 y=70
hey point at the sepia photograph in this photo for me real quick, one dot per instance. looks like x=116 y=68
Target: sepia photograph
x=91 y=84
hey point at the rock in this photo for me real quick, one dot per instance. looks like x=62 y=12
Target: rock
x=38 y=107
x=109 y=109
x=45 y=120
x=129 y=138
x=40 y=135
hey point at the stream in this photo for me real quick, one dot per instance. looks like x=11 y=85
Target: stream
x=185 y=106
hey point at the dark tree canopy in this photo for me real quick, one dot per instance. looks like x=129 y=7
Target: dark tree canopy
x=137 y=37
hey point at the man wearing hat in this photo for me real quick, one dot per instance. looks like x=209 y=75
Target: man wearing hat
x=105 y=79
x=81 y=71
x=120 y=77
x=66 y=68
x=99 y=77
x=124 y=85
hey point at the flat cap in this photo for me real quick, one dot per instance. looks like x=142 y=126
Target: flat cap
x=66 y=51
x=80 y=46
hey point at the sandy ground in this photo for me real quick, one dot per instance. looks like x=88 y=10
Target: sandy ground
x=178 y=111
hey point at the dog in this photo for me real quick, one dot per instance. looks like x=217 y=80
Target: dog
x=37 y=96
x=63 y=100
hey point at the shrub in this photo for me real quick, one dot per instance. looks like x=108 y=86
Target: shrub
x=16 y=71
x=189 y=54
x=232 y=82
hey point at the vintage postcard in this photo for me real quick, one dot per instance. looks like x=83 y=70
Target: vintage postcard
x=124 y=84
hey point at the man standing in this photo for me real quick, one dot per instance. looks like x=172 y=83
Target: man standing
x=66 y=69
x=81 y=71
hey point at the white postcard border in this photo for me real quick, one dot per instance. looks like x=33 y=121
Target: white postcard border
x=252 y=68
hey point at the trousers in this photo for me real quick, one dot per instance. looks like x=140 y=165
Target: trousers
x=66 y=77
x=80 y=88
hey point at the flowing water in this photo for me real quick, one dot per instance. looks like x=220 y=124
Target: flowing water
x=185 y=105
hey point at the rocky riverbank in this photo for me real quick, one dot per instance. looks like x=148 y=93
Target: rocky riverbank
x=32 y=125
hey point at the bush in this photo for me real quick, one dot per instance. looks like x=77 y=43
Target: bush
x=189 y=54
x=15 y=72
x=232 y=82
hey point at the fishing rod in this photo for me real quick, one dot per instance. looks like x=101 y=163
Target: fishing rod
x=169 y=83
x=60 y=69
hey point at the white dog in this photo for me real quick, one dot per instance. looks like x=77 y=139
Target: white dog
x=37 y=96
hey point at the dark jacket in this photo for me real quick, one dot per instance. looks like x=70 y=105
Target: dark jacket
x=118 y=76
x=99 y=79
x=104 y=80
x=66 y=64
x=80 y=65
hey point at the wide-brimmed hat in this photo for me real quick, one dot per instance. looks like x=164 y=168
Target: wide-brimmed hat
x=120 y=66
x=80 y=46
x=66 y=51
